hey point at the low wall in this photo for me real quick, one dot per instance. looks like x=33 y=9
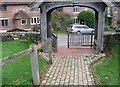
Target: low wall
x=111 y=39
x=7 y=36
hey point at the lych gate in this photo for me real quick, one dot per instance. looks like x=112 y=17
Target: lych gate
x=99 y=7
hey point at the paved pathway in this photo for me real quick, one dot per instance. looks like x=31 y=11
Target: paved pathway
x=70 y=70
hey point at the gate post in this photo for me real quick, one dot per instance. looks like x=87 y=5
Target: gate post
x=34 y=65
x=43 y=23
x=50 y=50
x=101 y=21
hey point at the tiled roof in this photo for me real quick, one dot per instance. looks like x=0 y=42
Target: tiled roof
x=14 y=3
x=21 y=15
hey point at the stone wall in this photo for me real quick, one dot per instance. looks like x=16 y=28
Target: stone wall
x=111 y=39
x=18 y=35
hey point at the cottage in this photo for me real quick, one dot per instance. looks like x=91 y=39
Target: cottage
x=17 y=15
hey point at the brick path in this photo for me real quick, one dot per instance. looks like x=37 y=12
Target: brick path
x=75 y=50
x=70 y=70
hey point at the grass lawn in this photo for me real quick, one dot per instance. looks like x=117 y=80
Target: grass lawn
x=12 y=47
x=107 y=69
x=18 y=72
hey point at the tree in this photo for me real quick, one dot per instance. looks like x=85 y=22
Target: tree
x=60 y=20
x=88 y=17
x=108 y=17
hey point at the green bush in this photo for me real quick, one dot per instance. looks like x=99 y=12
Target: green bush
x=60 y=21
x=88 y=17
x=109 y=29
x=26 y=42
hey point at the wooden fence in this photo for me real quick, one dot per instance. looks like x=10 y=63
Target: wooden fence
x=34 y=58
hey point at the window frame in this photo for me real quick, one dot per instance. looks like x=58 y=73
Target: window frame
x=23 y=23
x=4 y=22
x=3 y=8
x=76 y=9
x=76 y=20
x=33 y=22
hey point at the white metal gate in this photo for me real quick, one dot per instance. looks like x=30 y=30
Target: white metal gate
x=82 y=39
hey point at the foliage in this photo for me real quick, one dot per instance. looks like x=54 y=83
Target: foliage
x=108 y=21
x=110 y=40
x=18 y=72
x=108 y=18
x=26 y=41
x=88 y=17
x=60 y=21
x=7 y=37
x=36 y=27
x=109 y=29
x=31 y=36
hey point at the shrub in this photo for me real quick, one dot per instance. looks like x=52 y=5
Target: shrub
x=7 y=38
x=88 y=17
x=60 y=21
x=26 y=42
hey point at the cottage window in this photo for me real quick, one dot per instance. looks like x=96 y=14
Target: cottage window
x=4 y=23
x=3 y=8
x=76 y=20
x=38 y=20
x=76 y=9
x=23 y=21
x=35 y=20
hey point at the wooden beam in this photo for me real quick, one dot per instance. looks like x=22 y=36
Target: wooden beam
x=15 y=56
x=109 y=3
x=19 y=32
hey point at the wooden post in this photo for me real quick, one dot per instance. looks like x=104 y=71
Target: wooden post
x=91 y=39
x=50 y=50
x=43 y=23
x=34 y=65
x=68 y=41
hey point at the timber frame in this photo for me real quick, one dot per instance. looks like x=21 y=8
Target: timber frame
x=99 y=7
